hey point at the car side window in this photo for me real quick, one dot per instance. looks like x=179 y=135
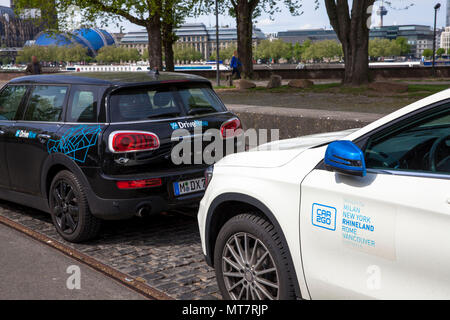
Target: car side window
x=10 y=99
x=46 y=103
x=82 y=105
x=421 y=144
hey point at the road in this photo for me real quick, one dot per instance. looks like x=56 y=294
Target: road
x=31 y=270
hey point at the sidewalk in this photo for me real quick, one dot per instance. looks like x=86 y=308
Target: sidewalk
x=32 y=271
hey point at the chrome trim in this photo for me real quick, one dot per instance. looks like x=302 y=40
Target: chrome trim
x=410 y=174
x=197 y=135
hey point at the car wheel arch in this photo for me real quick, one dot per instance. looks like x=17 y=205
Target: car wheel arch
x=215 y=220
x=54 y=164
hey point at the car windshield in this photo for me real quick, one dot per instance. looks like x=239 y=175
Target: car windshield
x=137 y=104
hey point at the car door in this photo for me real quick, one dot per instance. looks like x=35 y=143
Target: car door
x=11 y=97
x=40 y=122
x=385 y=235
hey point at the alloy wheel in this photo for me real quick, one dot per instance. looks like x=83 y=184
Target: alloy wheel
x=248 y=269
x=65 y=207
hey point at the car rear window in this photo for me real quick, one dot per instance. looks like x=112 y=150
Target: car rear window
x=143 y=103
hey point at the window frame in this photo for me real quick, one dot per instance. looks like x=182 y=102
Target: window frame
x=68 y=105
x=64 y=105
x=362 y=142
x=19 y=111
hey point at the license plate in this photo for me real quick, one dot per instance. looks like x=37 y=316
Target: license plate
x=188 y=186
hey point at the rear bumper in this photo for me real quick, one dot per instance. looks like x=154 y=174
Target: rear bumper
x=123 y=204
x=119 y=209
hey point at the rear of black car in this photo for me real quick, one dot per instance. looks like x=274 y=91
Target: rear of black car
x=139 y=174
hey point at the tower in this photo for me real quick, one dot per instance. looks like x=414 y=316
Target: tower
x=382 y=11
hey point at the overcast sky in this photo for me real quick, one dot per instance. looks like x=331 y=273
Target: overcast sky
x=421 y=13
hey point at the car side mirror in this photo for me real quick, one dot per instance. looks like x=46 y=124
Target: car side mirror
x=345 y=157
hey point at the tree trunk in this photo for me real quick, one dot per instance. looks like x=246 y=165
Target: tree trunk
x=244 y=12
x=168 y=39
x=353 y=32
x=154 y=42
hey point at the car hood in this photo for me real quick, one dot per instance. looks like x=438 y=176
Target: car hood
x=278 y=153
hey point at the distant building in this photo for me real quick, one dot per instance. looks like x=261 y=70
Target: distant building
x=193 y=35
x=448 y=14
x=420 y=37
x=445 y=39
x=300 y=36
x=91 y=38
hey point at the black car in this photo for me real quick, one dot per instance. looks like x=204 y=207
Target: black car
x=87 y=147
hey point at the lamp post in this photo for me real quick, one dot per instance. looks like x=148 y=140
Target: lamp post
x=217 y=44
x=436 y=8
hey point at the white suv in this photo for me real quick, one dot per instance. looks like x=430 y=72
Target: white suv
x=356 y=214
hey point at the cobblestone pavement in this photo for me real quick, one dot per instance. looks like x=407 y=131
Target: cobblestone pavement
x=164 y=250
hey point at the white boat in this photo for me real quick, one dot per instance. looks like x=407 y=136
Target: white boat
x=137 y=68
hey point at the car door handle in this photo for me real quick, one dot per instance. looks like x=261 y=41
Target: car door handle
x=43 y=137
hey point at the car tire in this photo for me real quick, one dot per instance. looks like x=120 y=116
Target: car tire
x=242 y=242
x=70 y=210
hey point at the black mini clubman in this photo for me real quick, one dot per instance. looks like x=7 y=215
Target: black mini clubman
x=88 y=147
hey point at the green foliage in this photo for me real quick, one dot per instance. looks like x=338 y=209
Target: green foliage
x=427 y=53
x=188 y=54
x=405 y=47
x=275 y=49
x=75 y=53
x=298 y=50
x=321 y=50
x=384 y=48
x=440 y=51
x=113 y=54
x=224 y=54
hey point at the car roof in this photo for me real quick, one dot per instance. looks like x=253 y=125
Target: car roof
x=108 y=78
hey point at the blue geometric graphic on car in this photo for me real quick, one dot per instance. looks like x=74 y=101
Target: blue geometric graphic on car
x=76 y=142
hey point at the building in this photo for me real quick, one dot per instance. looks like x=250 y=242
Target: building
x=420 y=37
x=90 y=38
x=15 y=31
x=445 y=39
x=300 y=36
x=193 y=35
x=448 y=14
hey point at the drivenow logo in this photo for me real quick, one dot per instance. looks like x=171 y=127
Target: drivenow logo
x=188 y=124
x=324 y=216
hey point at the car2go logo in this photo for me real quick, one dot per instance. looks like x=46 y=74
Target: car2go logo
x=324 y=216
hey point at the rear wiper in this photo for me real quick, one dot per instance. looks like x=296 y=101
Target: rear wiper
x=201 y=110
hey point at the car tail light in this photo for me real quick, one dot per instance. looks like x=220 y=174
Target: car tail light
x=137 y=184
x=129 y=141
x=231 y=128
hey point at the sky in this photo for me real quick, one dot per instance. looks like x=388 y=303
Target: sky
x=421 y=13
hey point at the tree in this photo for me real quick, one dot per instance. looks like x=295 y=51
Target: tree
x=113 y=54
x=245 y=11
x=326 y=49
x=224 y=54
x=384 y=48
x=148 y=14
x=275 y=50
x=352 y=30
x=440 y=52
x=404 y=45
x=186 y=54
x=427 y=53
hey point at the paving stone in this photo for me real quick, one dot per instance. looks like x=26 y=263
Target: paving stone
x=163 y=250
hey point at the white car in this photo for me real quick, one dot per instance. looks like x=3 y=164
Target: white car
x=346 y=215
